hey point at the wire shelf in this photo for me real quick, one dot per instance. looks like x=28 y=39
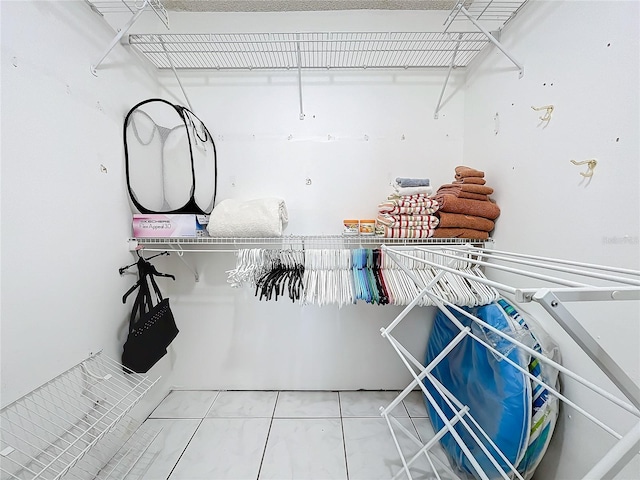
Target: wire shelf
x=107 y=7
x=73 y=424
x=305 y=240
x=486 y=10
x=320 y=50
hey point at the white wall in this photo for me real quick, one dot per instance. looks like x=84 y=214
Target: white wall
x=64 y=221
x=583 y=58
x=361 y=130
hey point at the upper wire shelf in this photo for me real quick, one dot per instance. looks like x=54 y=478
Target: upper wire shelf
x=486 y=10
x=319 y=50
x=105 y=7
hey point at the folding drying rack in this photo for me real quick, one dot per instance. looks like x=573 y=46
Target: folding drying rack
x=580 y=282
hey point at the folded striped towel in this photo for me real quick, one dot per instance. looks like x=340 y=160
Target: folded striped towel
x=421 y=202
x=390 y=209
x=390 y=232
x=410 y=221
x=422 y=197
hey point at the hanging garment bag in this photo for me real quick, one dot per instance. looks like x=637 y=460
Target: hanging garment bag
x=152 y=328
x=170 y=159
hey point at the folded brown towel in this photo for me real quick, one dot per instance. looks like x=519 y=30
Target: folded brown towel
x=458 y=220
x=460 y=233
x=482 y=189
x=473 y=196
x=463 y=171
x=461 y=194
x=473 y=180
x=477 y=208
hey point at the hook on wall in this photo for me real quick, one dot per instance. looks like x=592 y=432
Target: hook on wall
x=591 y=165
x=546 y=117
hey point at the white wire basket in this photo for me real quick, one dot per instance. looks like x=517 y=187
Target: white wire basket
x=76 y=425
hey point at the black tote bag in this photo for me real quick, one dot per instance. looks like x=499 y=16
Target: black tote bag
x=152 y=328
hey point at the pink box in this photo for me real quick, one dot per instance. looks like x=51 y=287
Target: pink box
x=146 y=225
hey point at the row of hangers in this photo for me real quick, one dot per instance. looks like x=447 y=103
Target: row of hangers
x=342 y=277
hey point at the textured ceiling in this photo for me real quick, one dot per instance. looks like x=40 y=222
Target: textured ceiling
x=303 y=5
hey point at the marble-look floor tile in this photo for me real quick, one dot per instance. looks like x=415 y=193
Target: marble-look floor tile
x=426 y=433
x=244 y=404
x=415 y=404
x=304 y=449
x=307 y=405
x=368 y=403
x=372 y=454
x=163 y=453
x=185 y=404
x=224 y=449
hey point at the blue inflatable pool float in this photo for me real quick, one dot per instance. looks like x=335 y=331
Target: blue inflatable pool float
x=498 y=394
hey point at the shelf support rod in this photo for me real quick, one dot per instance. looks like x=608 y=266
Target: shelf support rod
x=299 y=75
x=453 y=61
x=166 y=52
x=180 y=252
x=493 y=40
x=119 y=35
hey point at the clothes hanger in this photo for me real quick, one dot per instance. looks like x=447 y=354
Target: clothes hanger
x=145 y=268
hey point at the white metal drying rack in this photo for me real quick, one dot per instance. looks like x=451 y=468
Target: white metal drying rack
x=323 y=50
x=76 y=425
x=621 y=284
x=216 y=245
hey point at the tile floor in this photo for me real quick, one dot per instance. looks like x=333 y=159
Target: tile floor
x=238 y=435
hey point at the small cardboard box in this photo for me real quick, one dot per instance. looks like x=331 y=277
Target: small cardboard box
x=147 y=225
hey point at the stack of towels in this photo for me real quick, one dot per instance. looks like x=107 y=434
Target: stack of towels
x=409 y=211
x=465 y=209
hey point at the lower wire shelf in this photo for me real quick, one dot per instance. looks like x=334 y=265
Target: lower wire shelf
x=75 y=425
x=289 y=241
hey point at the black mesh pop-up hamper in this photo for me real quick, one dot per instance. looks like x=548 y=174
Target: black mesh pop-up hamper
x=170 y=159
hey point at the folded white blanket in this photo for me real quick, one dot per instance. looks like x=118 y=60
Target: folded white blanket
x=263 y=217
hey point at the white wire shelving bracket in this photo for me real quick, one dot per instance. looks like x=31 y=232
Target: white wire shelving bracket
x=135 y=8
x=217 y=245
x=477 y=12
x=76 y=425
x=580 y=282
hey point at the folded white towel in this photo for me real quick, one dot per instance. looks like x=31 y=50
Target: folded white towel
x=263 y=217
x=413 y=190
